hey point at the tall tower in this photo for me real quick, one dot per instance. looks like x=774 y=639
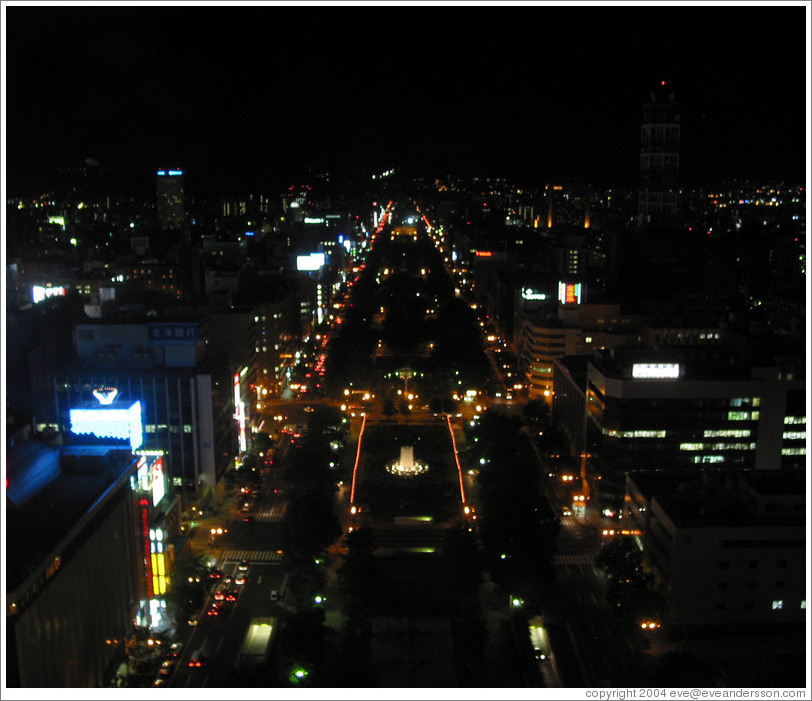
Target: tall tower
x=659 y=155
x=170 y=198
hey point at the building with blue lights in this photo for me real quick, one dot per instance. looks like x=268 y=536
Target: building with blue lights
x=76 y=564
x=171 y=199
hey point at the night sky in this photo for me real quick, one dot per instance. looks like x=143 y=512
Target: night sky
x=254 y=94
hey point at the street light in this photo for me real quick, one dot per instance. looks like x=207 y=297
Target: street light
x=298 y=675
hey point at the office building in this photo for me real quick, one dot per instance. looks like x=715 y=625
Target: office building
x=726 y=549
x=659 y=154
x=573 y=330
x=187 y=393
x=75 y=561
x=678 y=408
x=171 y=199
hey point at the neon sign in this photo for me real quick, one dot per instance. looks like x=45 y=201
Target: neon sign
x=109 y=422
x=157 y=561
x=239 y=412
x=38 y=293
x=314 y=261
x=530 y=294
x=105 y=395
x=655 y=371
x=158 y=481
x=147 y=550
x=569 y=292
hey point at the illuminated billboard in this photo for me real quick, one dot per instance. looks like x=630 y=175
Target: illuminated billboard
x=655 y=371
x=38 y=293
x=313 y=261
x=150 y=478
x=158 y=481
x=239 y=413
x=569 y=292
x=111 y=421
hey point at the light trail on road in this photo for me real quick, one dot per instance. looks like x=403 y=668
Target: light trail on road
x=456 y=457
x=357 y=460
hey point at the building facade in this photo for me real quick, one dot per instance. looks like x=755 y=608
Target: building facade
x=659 y=154
x=726 y=549
x=76 y=575
x=171 y=199
x=680 y=408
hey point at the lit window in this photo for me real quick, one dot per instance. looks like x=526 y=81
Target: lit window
x=778 y=604
x=728 y=433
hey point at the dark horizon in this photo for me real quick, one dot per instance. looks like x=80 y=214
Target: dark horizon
x=280 y=91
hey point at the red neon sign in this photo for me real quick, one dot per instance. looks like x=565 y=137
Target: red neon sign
x=147 y=555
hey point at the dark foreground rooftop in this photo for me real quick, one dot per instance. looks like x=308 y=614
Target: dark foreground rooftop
x=49 y=490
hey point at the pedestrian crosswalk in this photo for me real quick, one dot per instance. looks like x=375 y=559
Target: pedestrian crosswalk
x=273 y=515
x=570 y=559
x=253 y=556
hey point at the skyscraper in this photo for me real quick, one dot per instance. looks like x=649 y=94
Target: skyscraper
x=170 y=198
x=659 y=154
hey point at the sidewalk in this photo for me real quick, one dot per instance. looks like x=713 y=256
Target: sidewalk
x=199 y=541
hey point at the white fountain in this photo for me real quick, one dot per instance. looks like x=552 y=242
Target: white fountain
x=406 y=466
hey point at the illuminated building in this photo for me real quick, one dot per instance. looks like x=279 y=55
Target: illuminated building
x=90 y=547
x=273 y=345
x=678 y=408
x=171 y=199
x=568 y=205
x=75 y=575
x=155 y=276
x=187 y=397
x=575 y=329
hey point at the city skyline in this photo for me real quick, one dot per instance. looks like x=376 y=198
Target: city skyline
x=285 y=89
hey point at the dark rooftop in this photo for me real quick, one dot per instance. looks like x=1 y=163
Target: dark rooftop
x=716 y=498
x=50 y=489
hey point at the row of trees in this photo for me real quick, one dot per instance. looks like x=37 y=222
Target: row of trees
x=628 y=586
x=310 y=526
x=451 y=330
x=517 y=526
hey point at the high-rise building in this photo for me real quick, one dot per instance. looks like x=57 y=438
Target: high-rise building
x=659 y=154
x=170 y=198
x=689 y=407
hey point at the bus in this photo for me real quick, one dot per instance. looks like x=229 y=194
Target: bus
x=256 y=643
